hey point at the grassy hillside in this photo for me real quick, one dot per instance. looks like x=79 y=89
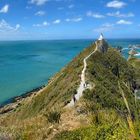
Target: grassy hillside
x=135 y=62
x=108 y=114
x=108 y=111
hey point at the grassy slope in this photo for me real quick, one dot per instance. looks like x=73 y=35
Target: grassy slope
x=107 y=112
x=101 y=71
x=60 y=90
x=135 y=62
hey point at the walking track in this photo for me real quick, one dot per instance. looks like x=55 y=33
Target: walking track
x=82 y=85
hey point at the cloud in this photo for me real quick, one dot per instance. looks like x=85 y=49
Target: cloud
x=6 y=27
x=104 y=28
x=57 y=21
x=116 y=4
x=17 y=27
x=40 y=13
x=124 y=22
x=4 y=9
x=44 y=24
x=109 y=27
x=120 y=15
x=94 y=15
x=38 y=2
x=74 y=19
x=71 y=6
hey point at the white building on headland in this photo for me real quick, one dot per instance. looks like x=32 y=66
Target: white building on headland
x=102 y=45
x=101 y=37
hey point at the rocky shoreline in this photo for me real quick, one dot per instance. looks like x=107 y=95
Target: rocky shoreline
x=14 y=102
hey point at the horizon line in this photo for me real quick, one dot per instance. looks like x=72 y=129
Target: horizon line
x=62 y=39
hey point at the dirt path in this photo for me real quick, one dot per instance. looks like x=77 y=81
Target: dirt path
x=82 y=85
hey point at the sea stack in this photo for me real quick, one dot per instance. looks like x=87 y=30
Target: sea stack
x=102 y=45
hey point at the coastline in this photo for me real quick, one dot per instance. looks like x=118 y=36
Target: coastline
x=24 y=95
x=14 y=102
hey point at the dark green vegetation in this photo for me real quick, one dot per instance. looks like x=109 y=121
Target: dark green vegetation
x=110 y=107
x=105 y=105
x=135 y=62
x=106 y=70
x=53 y=116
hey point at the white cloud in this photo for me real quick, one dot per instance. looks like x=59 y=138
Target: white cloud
x=6 y=27
x=116 y=4
x=71 y=6
x=44 y=24
x=77 y=19
x=109 y=27
x=40 y=13
x=57 y=21
x=104 y=28
x=38 y=2
x=17 y=27
x=74 y=19
x=124 y=22
x=94 y=15
x=4 y=9
x=120 y=15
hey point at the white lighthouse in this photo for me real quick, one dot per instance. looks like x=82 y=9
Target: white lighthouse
x=102 y=45
x=101 y=37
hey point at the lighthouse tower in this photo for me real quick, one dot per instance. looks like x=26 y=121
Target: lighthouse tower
x=102 y=45
x=101 y=37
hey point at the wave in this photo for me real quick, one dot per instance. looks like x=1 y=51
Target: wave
x=137 y=46
x=138 y=54
x=125 y=49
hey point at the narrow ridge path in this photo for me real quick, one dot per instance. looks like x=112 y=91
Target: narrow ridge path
x=82 y=85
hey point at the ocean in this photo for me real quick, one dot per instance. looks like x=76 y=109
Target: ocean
x=25 y=65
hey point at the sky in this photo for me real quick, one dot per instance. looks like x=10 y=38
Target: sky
x=68 y=19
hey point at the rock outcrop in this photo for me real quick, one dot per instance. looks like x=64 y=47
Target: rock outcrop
x=102 y=45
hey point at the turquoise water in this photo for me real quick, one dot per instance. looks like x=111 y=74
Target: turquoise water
x=25 y=65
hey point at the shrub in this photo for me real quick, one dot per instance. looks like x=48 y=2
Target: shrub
x=53 y=116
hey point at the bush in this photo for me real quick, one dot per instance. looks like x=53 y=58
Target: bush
x=53 y=116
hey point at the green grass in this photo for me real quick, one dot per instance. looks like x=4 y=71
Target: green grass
x=100 y=132
x=135 y=62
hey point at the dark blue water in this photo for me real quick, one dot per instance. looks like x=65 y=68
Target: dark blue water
x=25 y=65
